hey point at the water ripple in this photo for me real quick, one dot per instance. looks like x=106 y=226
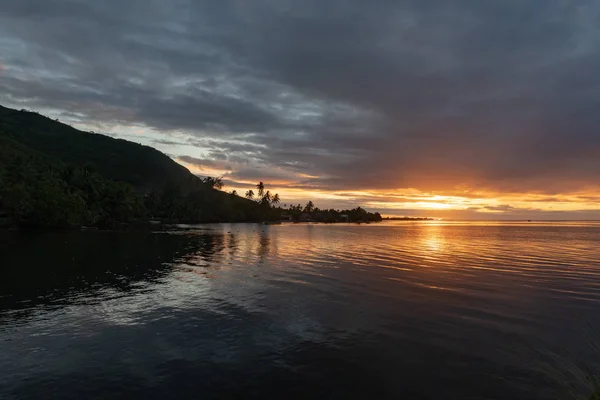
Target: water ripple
x=484 y=310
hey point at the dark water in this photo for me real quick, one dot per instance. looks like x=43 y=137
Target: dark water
x=405 y=310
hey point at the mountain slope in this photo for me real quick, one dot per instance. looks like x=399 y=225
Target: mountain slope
x=143 y=167
x=53 y=175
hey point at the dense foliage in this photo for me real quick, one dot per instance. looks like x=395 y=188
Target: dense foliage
x=202 y=203
x=38 y=191
x=311 y=213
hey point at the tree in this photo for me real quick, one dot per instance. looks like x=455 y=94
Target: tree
x=215 y=183
x=261 y=189
x=234 y=192
x=275 y=199
x=250 y=194
x=266 y=199
x=309 y=207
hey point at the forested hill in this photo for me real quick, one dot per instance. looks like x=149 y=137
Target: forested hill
x=53 y=175
x=143 y=167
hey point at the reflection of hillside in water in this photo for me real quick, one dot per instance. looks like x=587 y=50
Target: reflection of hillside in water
x=60 y=268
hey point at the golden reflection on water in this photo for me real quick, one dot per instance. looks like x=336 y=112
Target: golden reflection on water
x=454 y=256
x=434 y=238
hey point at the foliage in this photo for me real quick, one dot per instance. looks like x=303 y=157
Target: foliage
x=215 y=183
x=309 y=207
x=201 y=204
x=36 y=191
x=260 y=187
x=312 y=213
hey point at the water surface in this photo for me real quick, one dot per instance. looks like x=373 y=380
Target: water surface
x=423 y=310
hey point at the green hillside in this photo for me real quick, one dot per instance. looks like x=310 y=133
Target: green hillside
x=52 y=175
x=141 y=166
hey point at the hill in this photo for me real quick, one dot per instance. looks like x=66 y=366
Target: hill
x=53 y=175
x=143 y=167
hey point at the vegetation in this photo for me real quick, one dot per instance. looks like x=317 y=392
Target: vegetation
x=55 y=176
x=203 y=204
x=215 y=183
x=38 y=191
x=311 y=213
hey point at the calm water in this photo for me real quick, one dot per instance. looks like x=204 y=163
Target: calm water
x=400 y=310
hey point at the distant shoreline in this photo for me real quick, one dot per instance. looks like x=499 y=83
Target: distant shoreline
x=409 y=219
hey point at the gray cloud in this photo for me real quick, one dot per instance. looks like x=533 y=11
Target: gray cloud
x=207 y=163
x=167 y=142
x=495 y=95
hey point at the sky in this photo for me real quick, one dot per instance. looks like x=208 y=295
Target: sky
x=452 y=109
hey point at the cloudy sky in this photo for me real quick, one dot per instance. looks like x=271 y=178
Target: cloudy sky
x=465 y=108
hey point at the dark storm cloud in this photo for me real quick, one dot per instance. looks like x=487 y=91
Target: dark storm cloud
x=499 y=94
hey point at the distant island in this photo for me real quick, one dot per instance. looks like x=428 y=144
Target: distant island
x=408 y=219
x=55 y=176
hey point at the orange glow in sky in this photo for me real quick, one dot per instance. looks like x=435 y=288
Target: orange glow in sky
x=398 y=202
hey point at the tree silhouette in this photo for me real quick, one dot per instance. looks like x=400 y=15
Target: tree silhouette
x=218 y=183
x=215 y=183
x=261 y=189
x=309 y=207
x=250 y=194
x=275 y=199
x=267 y=197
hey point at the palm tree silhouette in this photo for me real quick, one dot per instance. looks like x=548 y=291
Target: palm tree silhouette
x=275 y=199
x=250 y=194
x=267 y=197
x=310 y=206
x=215 y=183
x=261 y=189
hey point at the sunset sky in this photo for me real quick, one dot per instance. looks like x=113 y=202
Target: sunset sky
x=455 y=109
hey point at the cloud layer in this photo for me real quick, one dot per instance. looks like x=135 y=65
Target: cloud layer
x=496 y=96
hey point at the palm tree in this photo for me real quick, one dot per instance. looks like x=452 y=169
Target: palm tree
x=250 y=194
x=265 y=200
x=219 y=183
x=267 y=197
x=215 y=183
x=275 y=199
x=310 y=206
x=261 y=189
